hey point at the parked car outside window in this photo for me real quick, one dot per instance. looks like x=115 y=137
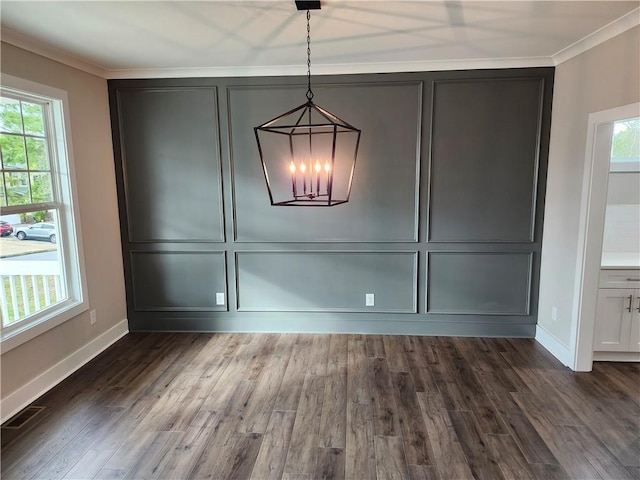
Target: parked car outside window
x=39 y=231
x=5 y=229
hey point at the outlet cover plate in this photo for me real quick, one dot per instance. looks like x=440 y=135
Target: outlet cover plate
x=369 y=299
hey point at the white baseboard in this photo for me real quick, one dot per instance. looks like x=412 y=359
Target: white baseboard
x=554 y=346
x=616 y=356
x=16 y=401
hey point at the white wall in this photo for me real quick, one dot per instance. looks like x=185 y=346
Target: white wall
x=622 y=220
x=95 y=178
x=604 y=77
x=622 y=229
x=623 y=188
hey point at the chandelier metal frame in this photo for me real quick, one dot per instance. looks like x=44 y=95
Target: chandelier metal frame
x=312 y=180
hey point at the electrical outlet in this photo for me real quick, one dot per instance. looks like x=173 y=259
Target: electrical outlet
x=93 y=317
x=369 y=299
x=220 y=298
x=554 y=314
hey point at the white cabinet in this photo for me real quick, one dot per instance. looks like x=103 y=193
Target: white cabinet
x=617 y=318
x=618 y=312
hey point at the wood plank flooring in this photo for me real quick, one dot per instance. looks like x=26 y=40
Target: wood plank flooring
x=271 y=406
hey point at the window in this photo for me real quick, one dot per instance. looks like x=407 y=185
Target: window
x=625 y=146
x=41 y=268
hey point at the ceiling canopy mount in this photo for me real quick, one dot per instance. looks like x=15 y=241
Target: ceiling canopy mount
x=308 y=5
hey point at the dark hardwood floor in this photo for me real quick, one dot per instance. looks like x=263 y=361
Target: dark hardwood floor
x=177 y=406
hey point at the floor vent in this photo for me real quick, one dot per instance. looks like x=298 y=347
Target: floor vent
x=20 y=419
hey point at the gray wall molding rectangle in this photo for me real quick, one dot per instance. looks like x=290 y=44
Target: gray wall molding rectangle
x=145 y=274
x=216 y=185
x=538 y=97
x=322 y=276
x=486 y=285
x=363 y=209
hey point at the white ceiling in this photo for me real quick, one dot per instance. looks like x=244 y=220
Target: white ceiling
x=119 y=39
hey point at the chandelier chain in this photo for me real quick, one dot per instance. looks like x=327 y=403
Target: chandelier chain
x=309 y=92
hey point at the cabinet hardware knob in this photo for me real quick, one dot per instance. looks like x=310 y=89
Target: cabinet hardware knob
x=630 y=303
x=633 y=279
x=638 y=304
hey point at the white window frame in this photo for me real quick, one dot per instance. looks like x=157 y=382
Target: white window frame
x=630 y=164
x=70 y=249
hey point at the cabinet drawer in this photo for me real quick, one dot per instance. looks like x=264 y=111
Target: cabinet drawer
x=619 y=279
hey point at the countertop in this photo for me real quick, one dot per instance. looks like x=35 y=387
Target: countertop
x=620 y=261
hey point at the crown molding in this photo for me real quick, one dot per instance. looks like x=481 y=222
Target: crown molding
x=615 y=28
x=335 y=69
x=38 y=47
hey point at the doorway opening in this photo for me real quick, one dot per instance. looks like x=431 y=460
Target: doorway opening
x=598 y=163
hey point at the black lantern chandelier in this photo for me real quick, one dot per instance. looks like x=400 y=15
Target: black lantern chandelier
x=308 y=155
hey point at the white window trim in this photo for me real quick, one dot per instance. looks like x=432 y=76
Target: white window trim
x=631 y=166
x=70 y=228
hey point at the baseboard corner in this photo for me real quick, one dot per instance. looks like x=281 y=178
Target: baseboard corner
x=554 y=346
x=19 y=399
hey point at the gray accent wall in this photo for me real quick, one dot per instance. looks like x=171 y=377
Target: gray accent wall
x=443 y=227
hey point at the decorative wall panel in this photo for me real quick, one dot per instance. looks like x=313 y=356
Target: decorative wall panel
x=326 y=281
x=479 y=283
x=484 y=160
x=171 y=156
x=184 y=281
x=383 y=204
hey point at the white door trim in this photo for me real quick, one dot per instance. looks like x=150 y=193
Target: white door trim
x=591 y=229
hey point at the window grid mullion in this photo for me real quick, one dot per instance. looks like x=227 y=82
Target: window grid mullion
x=18 y=170
x=27 y=135
x=4 y=182
x=52 y=150
x=26 y=153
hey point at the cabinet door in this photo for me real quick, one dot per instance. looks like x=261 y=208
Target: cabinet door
x=613 y=320
x=634 y=337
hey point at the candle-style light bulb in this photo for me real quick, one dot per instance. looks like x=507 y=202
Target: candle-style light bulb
x=294 y=176
x=303 y=169
x=318 y=168
x=327 y=167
